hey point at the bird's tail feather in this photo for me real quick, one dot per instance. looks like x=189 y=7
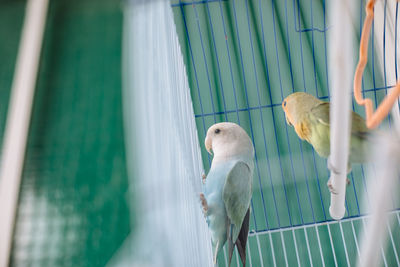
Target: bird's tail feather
x=241 y=240
x=231 y=245
x=216 y=249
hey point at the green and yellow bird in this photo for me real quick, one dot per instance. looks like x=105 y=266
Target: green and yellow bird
x=310 y=118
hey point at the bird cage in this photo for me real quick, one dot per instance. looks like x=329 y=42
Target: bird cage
x=125 y=93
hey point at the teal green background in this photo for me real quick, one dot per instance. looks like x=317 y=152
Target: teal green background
x=11 y=18
x=73 y=207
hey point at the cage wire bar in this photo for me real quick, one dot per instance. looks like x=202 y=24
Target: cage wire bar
x=163 y=149
x=243 y=57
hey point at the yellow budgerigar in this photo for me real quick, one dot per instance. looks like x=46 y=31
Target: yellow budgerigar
x=310 y=118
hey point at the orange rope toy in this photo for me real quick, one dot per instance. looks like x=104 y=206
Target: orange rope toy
x=373 y=119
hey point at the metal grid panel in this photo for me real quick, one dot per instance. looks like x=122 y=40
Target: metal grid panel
x=243 y=57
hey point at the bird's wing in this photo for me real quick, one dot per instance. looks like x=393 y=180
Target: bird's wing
x=321 y=113
x=358 y=126
x=237 y=195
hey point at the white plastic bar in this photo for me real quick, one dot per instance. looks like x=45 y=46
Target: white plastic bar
x=18 y=119
x=386 y=159
x=341 y=71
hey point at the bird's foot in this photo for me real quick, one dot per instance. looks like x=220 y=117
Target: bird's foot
x=203 y=178
x=332 y=189
x=334 y=169
x=204 y=204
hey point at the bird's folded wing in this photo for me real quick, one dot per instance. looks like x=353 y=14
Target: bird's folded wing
x=358 y=126
x=237 y=195
x=321 y=113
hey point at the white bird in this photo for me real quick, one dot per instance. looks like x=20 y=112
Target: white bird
x=228 y=187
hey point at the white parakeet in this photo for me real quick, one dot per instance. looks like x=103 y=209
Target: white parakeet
x=228 y=187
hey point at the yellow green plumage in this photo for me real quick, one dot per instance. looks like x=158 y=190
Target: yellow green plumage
x=310 y=119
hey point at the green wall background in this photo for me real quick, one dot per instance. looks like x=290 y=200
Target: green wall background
x=73 y=208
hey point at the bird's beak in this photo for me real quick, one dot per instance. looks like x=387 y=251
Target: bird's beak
x=208 y=143
x=287 y=120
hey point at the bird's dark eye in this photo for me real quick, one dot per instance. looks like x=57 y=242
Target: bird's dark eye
x=217 y=131
x=284 y=103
